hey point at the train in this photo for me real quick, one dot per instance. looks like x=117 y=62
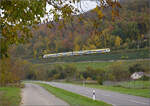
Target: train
x=77 y=53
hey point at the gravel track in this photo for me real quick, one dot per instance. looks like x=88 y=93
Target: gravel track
x=34 y=95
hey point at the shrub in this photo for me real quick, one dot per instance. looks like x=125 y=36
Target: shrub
x=145 y=78
x=136 y=68
x=110 y=77
x=11 y=71
x=93 y=73
x=118 y=71
x=89 y=79
x=70 y=71
x=100 y=80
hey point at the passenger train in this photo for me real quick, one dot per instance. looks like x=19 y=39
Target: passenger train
x=77 y=53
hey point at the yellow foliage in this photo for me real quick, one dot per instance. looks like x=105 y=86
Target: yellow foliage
x=89 y=79
x=77 y=47
x=117 y=41
x=99 y=12
x=77 y=43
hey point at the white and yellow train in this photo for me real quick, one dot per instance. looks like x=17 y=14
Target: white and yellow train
x=76 y=53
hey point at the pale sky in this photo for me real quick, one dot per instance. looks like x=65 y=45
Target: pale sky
x=85 y=5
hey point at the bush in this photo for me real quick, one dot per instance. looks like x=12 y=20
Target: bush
x=93 y=73
x=89 y=79
x=71 y=71
x=145 y=78
x=100 y=80
x=118 y=72
x=136 y=68
x=110 y=77
x=11 y=71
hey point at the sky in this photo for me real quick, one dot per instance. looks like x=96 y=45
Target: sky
x=85 y=4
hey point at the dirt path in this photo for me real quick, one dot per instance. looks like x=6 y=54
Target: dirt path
x=34 y=95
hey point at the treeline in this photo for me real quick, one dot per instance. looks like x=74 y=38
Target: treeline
x=15 y=70
x=118 y=71
x=130 y=30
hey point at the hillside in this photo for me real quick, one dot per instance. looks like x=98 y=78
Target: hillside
x=129 y=31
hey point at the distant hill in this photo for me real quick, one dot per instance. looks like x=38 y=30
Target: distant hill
x=88 y=32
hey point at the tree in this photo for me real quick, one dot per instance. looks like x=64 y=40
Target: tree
x=11 y=71
x=136 y=68
x=118 y=72
x=93 y=42
x=16 y=19
x=117 y=41
x=77 y=43
x=19 y=17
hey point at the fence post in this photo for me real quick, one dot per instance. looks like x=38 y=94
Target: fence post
x=94 y=96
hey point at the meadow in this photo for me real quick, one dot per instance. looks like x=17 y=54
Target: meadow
x=81 y=66
x=10 y=96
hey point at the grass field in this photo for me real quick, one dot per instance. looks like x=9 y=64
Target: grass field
x=101 y=65
x=72 y=98
x=132 y=91
x=136 y=84
x=81 y=66
x=10 y=96
x=120 y=89
x=95 y=65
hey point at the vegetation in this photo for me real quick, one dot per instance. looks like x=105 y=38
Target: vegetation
x=10 y=96
x=95 y=71
x=113 y=55
x=129 y=31
x=124 y=88
x=135 y=84
x=130 y=91
x=118 y=72
x=138 y=68
x=92 y=71
x=19 y=19
x=127 y=36
x=126 y=33
x=72 y=98
x=12 y=71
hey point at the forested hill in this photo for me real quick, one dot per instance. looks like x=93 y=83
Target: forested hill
x=128 y=31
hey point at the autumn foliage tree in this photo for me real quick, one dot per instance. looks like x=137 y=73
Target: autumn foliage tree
x=117 y=41
x=18 y=17
x=12 y=71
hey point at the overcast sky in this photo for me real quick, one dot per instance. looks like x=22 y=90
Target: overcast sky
x=85 y=5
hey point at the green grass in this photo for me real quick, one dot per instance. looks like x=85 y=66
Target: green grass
x=81 y=66
x=94 y=65
x=136 y=84
x=130 y=91
x=10 y=96
x=72 y=98
x=113 y=55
